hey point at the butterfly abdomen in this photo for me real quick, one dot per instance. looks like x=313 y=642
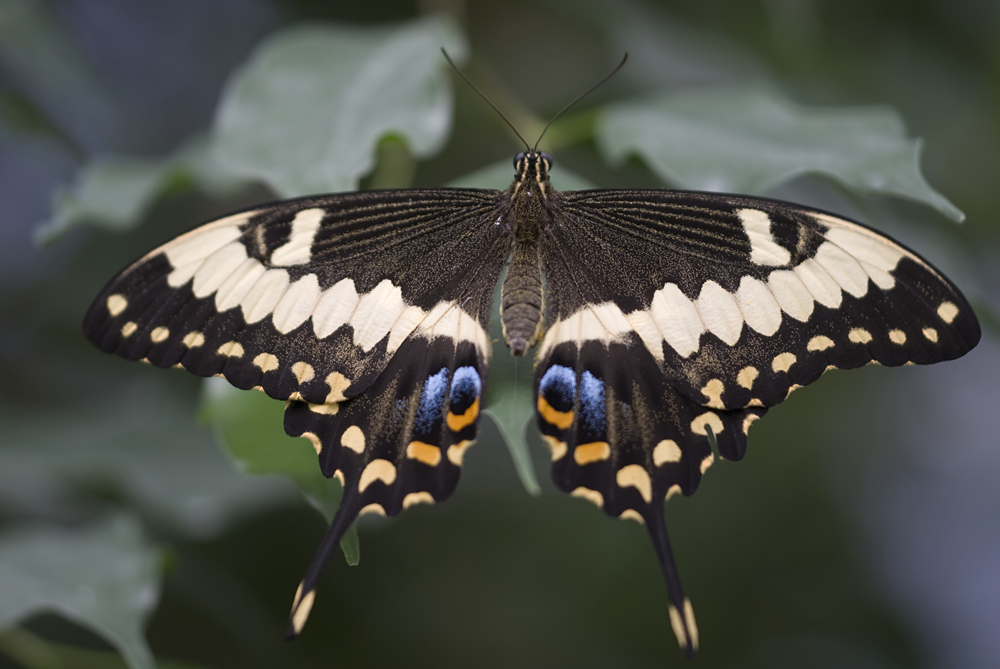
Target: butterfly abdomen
x=521 y=299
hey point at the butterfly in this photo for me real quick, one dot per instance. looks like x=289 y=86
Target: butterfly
x=666 y=322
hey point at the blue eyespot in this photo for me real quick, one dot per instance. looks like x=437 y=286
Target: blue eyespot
x=466 y=386
x=432 y=401
x=558 y=387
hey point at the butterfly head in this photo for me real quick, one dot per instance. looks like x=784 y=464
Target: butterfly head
x=532 y=166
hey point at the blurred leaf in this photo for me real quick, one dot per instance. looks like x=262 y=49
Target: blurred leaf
x=306 y=113
x=249 y=427
x=33 y=652
x=116 y=191
x=500 y=175
x=104 y=577
x=136 y=437
x=41 y=59
x=508 y=404
x=750 y=139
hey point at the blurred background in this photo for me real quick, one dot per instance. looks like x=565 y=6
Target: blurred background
x=143 y=520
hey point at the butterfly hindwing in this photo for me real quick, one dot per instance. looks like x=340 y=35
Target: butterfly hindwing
x=399 y=444
x=624 y=439
x=311 y=298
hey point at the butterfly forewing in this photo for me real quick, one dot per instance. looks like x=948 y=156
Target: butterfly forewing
x=309 y=299
x=740 y=300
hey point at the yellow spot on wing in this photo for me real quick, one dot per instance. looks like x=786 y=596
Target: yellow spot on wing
x=748 y=421
x=859 y=336
x=592 y=496
x=377 y=509
x=675 y=489
x=666 y=451
x=338 y=384
x=561 y=419
x=330 y=409
x=636 y=476
x=713 y=391
x=692 y=626
x=747 y=376
x=301 y=609
x=707 y=418
x=819 y=343
x=931 y=334
x=947 y=311
x=159 y=334
x=593 y=452
x=897 y=337
x=231 y=349
x=128 y=329
x=677 y=623
x=117 y=304
x=707 y=462
x=421 y=497
x=303 y=372
x=354 y=439
x=339 y=475
x=556 y=448
x=377 y=470
x=266 y=362
x=425 y=453
x=632 y=514
x=460 y=422
x=783 y=362
x=193 y=339
x=456 y=453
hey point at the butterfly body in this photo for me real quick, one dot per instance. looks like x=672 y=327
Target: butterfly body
x=666 y=323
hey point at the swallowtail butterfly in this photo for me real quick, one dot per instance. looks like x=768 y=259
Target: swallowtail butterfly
x=664 y=320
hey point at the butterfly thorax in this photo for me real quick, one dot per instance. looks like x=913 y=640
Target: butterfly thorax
x=521 y=299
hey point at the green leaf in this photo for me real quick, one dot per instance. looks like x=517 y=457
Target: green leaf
x=115 y=192
x=751 y=139
x=248 y=425
x=306 y=113
x=137 y=437
x=500 y=175
x=105 y=577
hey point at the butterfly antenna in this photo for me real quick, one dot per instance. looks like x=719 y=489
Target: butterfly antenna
x=580 y=97
x=483 y=96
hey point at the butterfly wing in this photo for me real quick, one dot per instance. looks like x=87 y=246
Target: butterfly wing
x=368 y=312
x=675 y=318
x=308 y=299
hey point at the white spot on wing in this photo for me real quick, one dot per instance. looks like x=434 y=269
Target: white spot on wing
x=376 y=313
x=666 y=451
x=759 y=308
x=187 y=252
x=354 y=439
x=819 y=283
x=334 y=308
x=261 y=299
x=791 y=294
x=296 y=251
x=720 y=313
x=238 y=284
x=447 y=319
x=763 y=249
x=216 y=268
x=677 y=319
x=819 y=343
x=842 y=268
x=603 y=322
x=297 y=304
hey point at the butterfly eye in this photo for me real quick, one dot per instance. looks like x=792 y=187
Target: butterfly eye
x=548 y=160
x=518 y=158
